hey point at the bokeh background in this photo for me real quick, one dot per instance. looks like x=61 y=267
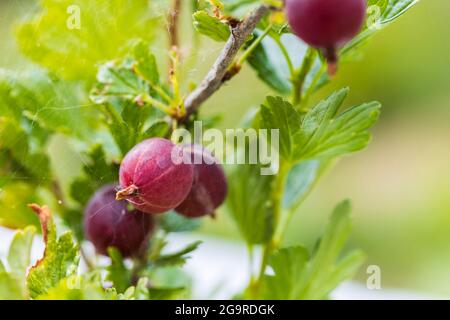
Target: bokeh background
x=399 y=186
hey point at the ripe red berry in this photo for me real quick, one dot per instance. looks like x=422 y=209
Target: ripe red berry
x=152 y=178
x=209 y=188
x=326 y=24
x=111 y=223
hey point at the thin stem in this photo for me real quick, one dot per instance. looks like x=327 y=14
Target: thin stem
x=112 y=112
x=286 y=56
x=312 y=87
x=253 y=46
x=157 y=104
x=276 y=198
x=299 y=79
x=280 y=233
x=160 y=91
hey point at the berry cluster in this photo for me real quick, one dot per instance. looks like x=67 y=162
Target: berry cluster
x=155 y=176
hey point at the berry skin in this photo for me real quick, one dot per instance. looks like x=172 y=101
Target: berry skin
x=209 y=189
x=111 y=223
x=153 y=178
x=326 y=24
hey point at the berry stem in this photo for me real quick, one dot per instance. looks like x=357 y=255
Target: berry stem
x=332 y=60
x=160 y=91
x=312 y=87
x=253 y=46
x=286 y=56
x=157 y=104
x=129 y=191
x=299 y=78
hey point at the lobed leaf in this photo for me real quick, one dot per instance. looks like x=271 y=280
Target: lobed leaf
x=249 y=205
x=177 y=258
x=14 y=212
x=210 y=26
x=280 y=114
x=299 y=276
x=174 y=222
x=117 y=272
x=60 y=258
x=80 y=33
x=325 y=135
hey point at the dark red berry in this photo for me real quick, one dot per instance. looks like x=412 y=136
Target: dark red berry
x=326 y=24
x=112 y=223
x=209 y=188
x=153 y=176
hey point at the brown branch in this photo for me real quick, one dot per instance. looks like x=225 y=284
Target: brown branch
x=174 y=16
x=219 y=71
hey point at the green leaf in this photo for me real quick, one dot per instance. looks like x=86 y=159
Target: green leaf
x=157 y=129
x=167 y=293
x=323 y=273
x=381 y=13
x=299 y=276
x=34 y=165
x=344 y=270
x=240 y=7
x=288 y=265
x=210 y=26
x=10 y=289
x=14 y=212
x=129 y=91
x=118 y=79
x=98 y=171
x=60 y=258
x=104 y=30
x=138 y=292
x=177 y=258
x=141 y=292
x=174 y=222
x=300 y=181
x=145 y=65
x=118 y=273
x=39 y=99
x=19 y=253
x=77 y=288
x=279 y=114
x=392 y=9
x=249 y=205
x=166 y=279
x=134 y=116
x=325 y=135
x=268 y=61
x=12 y=284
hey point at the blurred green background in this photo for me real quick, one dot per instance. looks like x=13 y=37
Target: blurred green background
x=400 y=185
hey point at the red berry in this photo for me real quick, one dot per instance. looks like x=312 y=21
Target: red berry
x=111 y=223
x=209 y=188
x=152 y=178
x=326 y=24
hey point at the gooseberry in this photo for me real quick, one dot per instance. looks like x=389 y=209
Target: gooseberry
x=326 y=24
x=111 y=223
x=153 y=178
x=209 y=188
